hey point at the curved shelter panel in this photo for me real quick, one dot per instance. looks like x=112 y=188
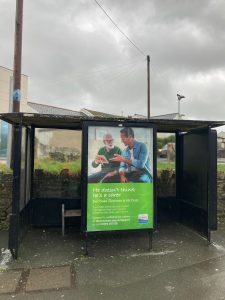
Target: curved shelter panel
x=198 y=195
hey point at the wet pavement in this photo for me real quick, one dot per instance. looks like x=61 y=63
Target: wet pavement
x=180 y=266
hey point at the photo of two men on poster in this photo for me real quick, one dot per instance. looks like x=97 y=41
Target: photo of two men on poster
x=120 y=155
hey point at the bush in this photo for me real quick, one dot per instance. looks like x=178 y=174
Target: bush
x=55 y=167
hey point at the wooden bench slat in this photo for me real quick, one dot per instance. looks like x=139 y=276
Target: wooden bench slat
x=72 y=213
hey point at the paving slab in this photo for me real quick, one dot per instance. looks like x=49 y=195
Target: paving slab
x=49 y=278
x=9 y=281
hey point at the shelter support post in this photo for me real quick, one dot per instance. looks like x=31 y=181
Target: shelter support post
x=32 y=141
x=179 y=173
x=14 y=216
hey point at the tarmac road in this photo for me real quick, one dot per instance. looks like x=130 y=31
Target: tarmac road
x=180 y=266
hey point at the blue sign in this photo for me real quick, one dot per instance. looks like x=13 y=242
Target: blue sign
x=17 y=95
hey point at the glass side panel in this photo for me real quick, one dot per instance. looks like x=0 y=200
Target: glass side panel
x=57 y=163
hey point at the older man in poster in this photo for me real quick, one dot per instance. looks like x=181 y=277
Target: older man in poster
x=134 y=161
x=109 y=169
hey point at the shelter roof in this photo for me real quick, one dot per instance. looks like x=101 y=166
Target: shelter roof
x=75 y=122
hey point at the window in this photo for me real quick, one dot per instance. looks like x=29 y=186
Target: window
x=4 y=128
x=166 y=156
x=57 y=163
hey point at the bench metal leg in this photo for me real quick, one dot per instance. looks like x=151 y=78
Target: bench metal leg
x=86 y=244
x=150 y=240
x=63 y=220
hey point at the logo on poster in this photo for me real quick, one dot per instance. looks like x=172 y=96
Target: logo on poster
x=143 y=218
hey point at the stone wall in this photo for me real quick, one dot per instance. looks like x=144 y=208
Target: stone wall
x=221 y=196
x=65 y=185
x=221 y=153
x=5 y=198
x=166 y=183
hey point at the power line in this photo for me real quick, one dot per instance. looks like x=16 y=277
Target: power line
x=123 y=73
x=110 y=74
x=106 y=85
x=103 y=69
x=114 y=23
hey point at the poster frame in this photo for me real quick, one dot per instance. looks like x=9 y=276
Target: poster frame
x=84 y=171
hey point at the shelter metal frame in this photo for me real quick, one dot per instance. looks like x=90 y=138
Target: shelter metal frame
x=193 y=129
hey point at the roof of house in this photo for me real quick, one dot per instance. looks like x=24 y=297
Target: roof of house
x=11 y=71
x=94 y=113
x=171 y=116
x=53 y=110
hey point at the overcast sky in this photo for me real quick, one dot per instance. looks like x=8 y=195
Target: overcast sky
x=76 y=58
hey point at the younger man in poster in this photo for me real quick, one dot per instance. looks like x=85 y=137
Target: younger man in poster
x=134 y=161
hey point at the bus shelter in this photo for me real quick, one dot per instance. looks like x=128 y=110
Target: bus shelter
x=114 y=204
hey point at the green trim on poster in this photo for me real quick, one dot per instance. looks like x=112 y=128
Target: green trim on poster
x=119 y=206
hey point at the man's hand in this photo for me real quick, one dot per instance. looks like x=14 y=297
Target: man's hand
x=117 y=157
x=120 y=158
x=98 y=160
x=123 y=178
x=112 y=173
x=101 y=159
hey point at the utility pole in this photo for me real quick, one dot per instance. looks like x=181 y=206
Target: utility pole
x=148 y=85
x=16 y=91
x=17 y=56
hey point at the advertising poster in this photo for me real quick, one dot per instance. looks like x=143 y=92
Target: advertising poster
x=120 y=178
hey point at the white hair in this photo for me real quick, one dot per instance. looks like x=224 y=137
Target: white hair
x=107 y=136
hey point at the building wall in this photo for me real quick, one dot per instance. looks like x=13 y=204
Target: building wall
x=221 y=140
x=5 y=86
x=59 y=138
x=5 y=76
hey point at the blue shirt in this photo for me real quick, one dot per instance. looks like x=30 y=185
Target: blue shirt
x=141 y=158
